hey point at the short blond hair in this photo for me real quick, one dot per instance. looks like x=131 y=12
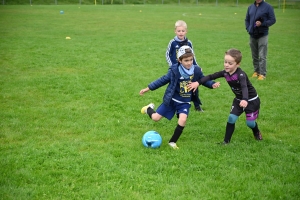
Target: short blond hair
x=180 y=23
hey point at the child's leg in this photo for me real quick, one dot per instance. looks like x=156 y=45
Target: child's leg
x=149 y=109
x=155 y=116
x=179 y=128
x=254 y=127
x=196 y=100
x=230 y=127
x=235 y=112
x=252 y=113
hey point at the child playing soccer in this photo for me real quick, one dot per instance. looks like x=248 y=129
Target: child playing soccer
x=171 y=54
x=246 y=99
x=177 y=98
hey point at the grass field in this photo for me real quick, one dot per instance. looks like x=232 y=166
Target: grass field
x=70 y=122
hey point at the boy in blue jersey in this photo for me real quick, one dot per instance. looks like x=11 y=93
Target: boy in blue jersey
x=171 y=54
x=177 y=98
x=246 y=98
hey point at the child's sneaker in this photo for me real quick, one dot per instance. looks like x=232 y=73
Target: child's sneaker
x=173 y=145
x=258 y=136
x=144 y=109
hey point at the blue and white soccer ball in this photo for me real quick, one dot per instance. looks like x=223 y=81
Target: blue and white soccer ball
x=152 y=139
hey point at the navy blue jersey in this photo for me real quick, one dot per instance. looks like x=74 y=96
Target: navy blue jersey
x=172 y=49
x=238 y=82
x=182 y=95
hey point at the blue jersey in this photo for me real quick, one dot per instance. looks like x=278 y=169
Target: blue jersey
x=182 y=95
x=172 y=49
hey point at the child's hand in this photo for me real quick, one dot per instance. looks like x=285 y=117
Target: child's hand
x=144 y=91
x=216 y=85
x=193 y=86
x=243 y=104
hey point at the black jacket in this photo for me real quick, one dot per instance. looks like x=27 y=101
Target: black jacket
x=263 y=13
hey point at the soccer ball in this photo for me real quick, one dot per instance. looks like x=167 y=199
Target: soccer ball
x=152 y=139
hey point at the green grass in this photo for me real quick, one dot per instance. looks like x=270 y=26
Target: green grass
x=70 y=122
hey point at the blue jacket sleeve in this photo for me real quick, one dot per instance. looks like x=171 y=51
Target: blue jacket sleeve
x=208 y=83
x=161 y=81
x=271 y=18
x=247 y=20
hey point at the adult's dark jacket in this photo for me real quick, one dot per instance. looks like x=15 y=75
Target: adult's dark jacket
x=263 y=13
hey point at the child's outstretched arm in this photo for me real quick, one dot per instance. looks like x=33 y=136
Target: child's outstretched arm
x=194 y=85
x=216 y=85
x=205 y=81
x=144 y=90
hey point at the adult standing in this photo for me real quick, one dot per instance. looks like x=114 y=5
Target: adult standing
x=259 y=17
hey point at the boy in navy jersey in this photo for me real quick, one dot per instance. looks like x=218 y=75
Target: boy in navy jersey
x=177 y=98
x=171 y=54
x=246 y=99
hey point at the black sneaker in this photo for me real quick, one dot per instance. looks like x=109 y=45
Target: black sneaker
x=198 y=109
x=258 y=136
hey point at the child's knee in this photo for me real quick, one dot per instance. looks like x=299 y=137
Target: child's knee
x=250 y=123
x=232 y=118
x=156 y=117
x=182 y=120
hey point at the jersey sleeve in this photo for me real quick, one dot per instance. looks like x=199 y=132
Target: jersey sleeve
x=211 y=77
x=243 y=81
x=168 y=52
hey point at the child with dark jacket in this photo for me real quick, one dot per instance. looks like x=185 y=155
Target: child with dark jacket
x=177 y=98
x=171 y=54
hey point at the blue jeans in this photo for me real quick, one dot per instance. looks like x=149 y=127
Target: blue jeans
x=259 y=50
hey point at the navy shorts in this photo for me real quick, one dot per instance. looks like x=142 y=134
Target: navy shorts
x=252 y=110
x=174 y=107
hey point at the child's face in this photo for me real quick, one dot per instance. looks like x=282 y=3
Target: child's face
x=230 y=64
x=187 y=62
x=180 y=32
